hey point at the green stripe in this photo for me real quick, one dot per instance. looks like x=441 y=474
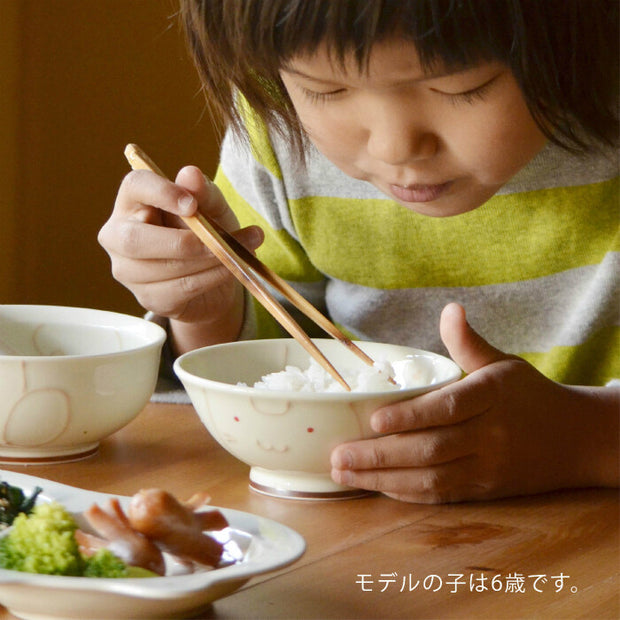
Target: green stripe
x=260 y=143
x=266 y=325
x=521 y=236
x=596 y=362
x=280 y=250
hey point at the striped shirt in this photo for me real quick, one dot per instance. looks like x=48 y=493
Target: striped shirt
x=536 y=266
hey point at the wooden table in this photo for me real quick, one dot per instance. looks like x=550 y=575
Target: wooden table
x=548 y=556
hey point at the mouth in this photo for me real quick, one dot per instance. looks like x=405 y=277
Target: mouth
x=268 y=447
x=419 y=192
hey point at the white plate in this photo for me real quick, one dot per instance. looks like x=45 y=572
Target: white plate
x=260 y=545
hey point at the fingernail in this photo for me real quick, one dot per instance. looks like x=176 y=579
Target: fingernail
x=256 y=236
x=380 y=421
x=186 y=204
x=341 y=476
x=342 y=459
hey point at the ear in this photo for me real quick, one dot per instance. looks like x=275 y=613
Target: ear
x=466 y=347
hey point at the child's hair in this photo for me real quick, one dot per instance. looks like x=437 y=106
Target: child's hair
x=563 y=53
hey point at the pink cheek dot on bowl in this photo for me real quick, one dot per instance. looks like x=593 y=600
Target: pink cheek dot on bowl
x=236 y=419
x=310 y=429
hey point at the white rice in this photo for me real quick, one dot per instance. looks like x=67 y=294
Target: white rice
x=407 y=373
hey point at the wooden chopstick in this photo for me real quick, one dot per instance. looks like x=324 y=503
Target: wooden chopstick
x=240 y=262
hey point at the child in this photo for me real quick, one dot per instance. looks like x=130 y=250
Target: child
x=391 y=159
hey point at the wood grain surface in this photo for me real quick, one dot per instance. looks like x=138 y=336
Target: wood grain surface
x=548 y=556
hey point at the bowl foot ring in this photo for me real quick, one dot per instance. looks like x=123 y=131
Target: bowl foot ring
x=349 y=493
x=6 y=459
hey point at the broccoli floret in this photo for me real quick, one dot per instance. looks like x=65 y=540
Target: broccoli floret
x=105 y=564
x=42 y=542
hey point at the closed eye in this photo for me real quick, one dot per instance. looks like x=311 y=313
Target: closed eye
x=472 y=95
x=319 y=97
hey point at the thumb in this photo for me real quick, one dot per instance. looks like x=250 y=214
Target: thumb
x=466 y=347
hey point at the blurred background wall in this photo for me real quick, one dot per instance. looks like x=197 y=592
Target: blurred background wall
x=78 y=80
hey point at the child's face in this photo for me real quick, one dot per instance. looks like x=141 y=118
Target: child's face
x=438 y=144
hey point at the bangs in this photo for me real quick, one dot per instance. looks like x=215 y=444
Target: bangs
x=453 y=34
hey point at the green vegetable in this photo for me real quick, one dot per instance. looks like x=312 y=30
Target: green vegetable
x=13 y=501
x=44 y=542
x=104 y=564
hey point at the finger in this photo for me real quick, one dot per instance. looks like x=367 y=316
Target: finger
x=414 y=449
x=138 y=240
x=213 y=204
x=141 y=190
x=250 y=237
x=171 y=297
x=452 y=404
x=209 y=198
x=448 y=482
x=132 y=239
x=148 y=271
x=466 y=347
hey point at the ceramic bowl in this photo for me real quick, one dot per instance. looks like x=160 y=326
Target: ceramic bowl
x=286 y=437
x=70 y=377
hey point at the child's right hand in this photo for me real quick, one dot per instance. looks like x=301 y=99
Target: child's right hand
x=165 y=266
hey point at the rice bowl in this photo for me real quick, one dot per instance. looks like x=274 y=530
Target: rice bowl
x=286 y=435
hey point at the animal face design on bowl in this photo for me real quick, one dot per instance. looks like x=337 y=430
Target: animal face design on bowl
x=40 y=409
x=37 y=416
x=277 y=433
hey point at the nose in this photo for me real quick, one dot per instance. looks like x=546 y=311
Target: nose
x=396 y=136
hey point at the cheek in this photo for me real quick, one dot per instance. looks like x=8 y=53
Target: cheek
x=500 y=143
x=341 y=146
x=328 y=132
x=337 y=136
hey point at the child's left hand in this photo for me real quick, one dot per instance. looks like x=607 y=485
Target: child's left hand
x=504 y=429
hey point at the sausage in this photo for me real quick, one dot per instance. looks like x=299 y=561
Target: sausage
x=176 y=528
x=120 y=538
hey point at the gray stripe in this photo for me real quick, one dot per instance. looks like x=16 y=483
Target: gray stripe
x=557 y=310
x=555 y=167
x=255 y=184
